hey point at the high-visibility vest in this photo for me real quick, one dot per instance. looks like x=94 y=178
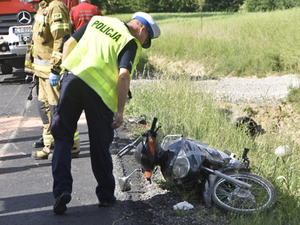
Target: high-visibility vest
x=95 y=57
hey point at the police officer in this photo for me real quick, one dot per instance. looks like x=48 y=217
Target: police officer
x=99 y=59
x=82 y=13
x=50 y=31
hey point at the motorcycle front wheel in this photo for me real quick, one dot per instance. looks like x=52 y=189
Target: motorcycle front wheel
x=231 y=197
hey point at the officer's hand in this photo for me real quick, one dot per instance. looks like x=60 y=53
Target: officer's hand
x=118 y=120
x=53 y=79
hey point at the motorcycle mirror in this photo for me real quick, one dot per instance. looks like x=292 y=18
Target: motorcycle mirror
x=124 y=182
x=157 y=129
x=246 y=150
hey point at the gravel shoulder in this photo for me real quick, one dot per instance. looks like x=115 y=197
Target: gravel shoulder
x=269 y=90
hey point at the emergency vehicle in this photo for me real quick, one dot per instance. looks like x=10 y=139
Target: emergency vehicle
x=16 y=20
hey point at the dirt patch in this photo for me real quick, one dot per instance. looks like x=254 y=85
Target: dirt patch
x=277 y=119
x=193 y=68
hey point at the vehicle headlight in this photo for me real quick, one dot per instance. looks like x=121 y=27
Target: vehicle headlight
x=182 y=165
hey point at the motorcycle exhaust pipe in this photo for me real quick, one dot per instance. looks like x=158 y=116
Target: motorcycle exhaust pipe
x=124 y=183
x=235 y=181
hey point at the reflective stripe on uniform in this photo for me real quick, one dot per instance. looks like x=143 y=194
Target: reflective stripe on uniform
x=42 y=18
x=42 y=62
x=48 y=138
x=42 y=65
x=28 y=63
x=76 y=135
x=42 y=68
x=60 y=26
x=57 y=55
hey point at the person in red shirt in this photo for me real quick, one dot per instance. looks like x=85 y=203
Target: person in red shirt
x=82 y=13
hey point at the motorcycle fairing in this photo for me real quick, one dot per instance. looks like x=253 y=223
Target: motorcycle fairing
x=210 y=153
x=145 y=156
x=193 y=154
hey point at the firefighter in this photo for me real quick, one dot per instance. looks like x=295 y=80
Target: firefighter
x=30 y=68
x=29 y=52
x=51 y=29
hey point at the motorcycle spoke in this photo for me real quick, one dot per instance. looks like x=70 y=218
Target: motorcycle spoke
x=258 y=191
x=241 y=199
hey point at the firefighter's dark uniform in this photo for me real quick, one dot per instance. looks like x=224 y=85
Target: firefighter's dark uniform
x=51 y=29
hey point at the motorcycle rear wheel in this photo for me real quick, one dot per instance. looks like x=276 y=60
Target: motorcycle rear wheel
x=230 y=197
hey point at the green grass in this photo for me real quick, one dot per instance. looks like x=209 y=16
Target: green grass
x=230 y=44
x=227 y=44
x=182 y=108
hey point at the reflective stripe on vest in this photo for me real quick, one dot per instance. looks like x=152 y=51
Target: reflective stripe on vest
x=94 y=58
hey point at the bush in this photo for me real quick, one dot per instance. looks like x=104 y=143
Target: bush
x=270 y=5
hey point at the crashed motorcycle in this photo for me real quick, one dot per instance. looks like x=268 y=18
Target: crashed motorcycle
x=224 y=181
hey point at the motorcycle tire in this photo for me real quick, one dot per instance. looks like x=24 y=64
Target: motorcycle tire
x=247 y=124
x=230 y=197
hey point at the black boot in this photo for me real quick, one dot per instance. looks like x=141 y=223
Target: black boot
x=61 y=201
x=39 y=143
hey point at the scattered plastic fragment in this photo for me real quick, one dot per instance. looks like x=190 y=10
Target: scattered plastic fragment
x=183 y=206
x=282 y=150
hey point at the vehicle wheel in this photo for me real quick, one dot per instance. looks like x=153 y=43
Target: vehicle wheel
x=230 y=197
x=6 y=69
x=248 y=124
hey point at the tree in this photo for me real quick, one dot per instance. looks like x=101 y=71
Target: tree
x=269 y=5
x=222 y=5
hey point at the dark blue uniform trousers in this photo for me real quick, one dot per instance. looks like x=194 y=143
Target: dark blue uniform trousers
x=76 y=96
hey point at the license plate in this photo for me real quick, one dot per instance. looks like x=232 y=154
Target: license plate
x=21 y=30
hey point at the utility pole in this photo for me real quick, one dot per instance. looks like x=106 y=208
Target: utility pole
x=201 y=3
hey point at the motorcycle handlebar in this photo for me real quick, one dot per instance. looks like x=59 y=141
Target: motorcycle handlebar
x=127 y=148
x=153 y=124
x=123 y=151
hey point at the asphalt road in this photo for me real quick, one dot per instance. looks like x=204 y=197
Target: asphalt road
x=26 y=184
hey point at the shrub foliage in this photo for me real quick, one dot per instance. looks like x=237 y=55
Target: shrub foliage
x=130 y=6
